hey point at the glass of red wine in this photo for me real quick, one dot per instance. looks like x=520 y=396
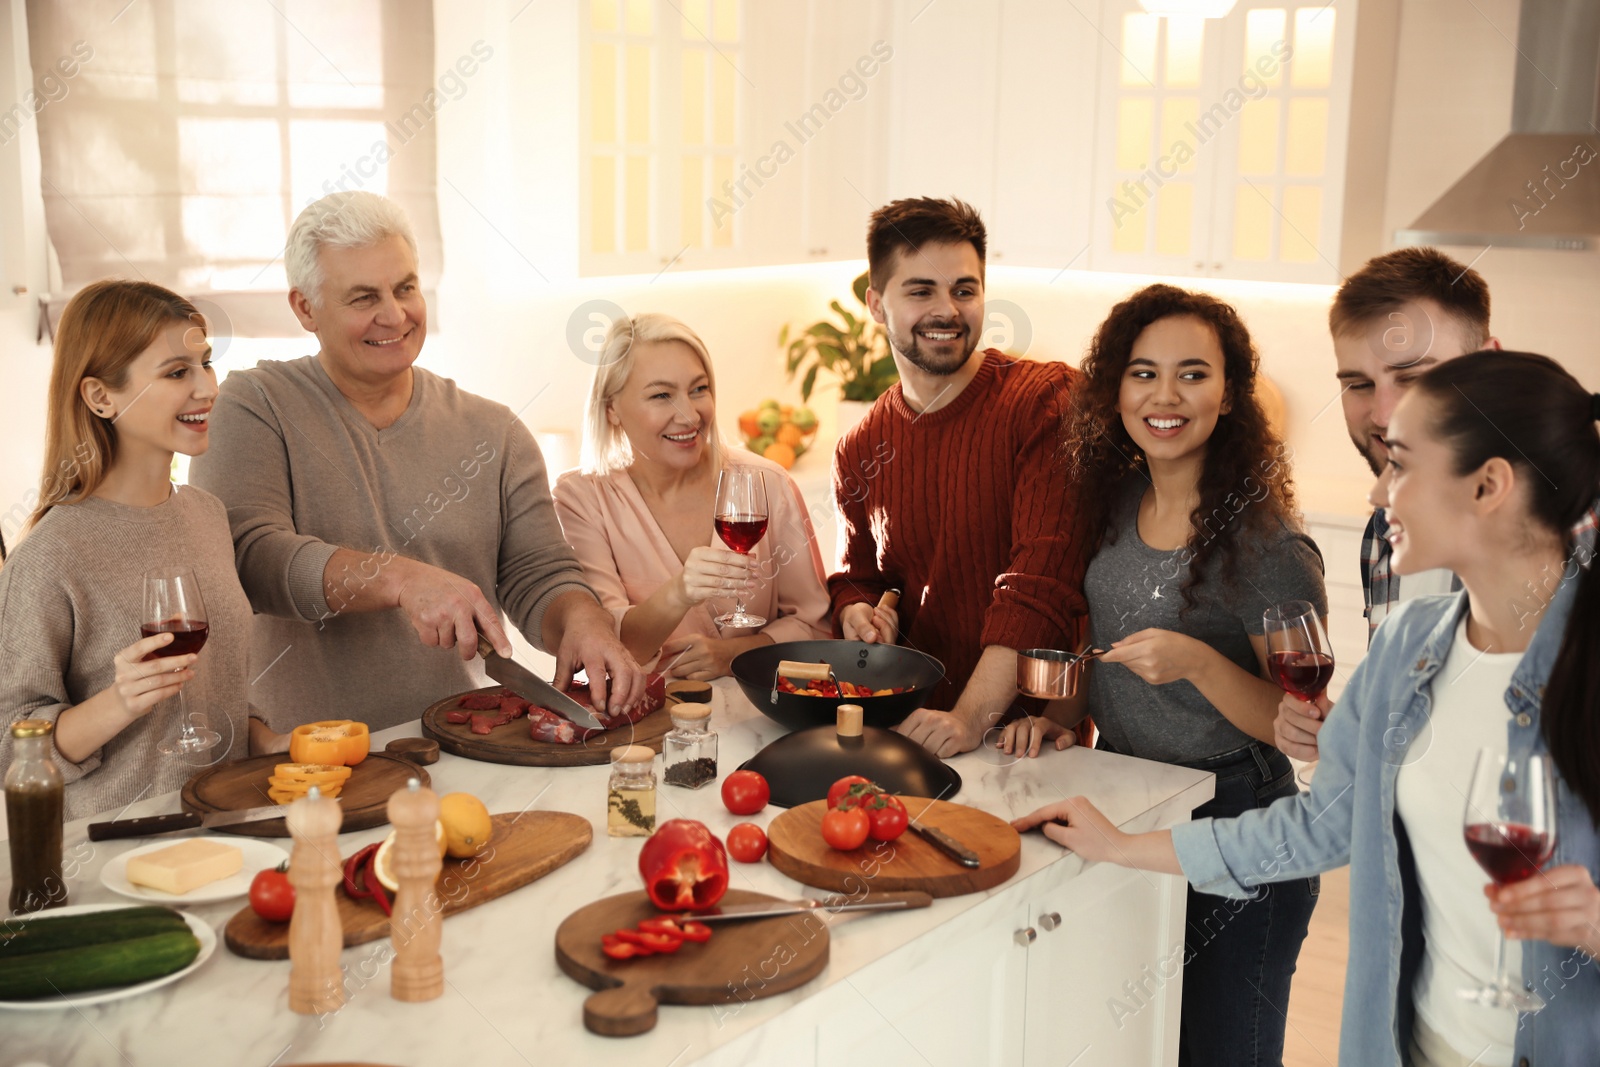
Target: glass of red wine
x=1510 y=827
x=741 y=521
x=1299 y=657
x=172 y=604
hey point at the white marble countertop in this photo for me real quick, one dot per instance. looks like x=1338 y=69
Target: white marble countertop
x=505 y=997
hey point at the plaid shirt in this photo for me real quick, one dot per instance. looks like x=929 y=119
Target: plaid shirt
x=1380 y=586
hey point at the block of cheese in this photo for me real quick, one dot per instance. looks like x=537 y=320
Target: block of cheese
x=186 y=866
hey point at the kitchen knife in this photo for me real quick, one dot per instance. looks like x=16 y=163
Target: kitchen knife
x=147 y=825
x=946 y=844
x=535 y=690
x=765 y=909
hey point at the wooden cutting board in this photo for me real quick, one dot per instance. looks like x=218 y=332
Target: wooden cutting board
x=742 y=961
x=908 y=862
x=514 y=744
x=522 y=847
x=243 y=784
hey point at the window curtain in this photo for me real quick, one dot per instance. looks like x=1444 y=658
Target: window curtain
x=184 y=136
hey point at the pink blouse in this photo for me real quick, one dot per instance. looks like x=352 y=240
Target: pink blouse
x=626 y=557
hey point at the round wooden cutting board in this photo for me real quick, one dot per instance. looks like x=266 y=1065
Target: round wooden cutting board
x=907 y=862
x=243 y=784
x=513 y=743
x=743 y=961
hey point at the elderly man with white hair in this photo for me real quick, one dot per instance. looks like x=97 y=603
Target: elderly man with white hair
x=374 y=503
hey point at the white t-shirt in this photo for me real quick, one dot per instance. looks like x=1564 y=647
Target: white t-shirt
x=1469 y=712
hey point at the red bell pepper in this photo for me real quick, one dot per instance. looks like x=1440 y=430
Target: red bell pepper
x=684 y=866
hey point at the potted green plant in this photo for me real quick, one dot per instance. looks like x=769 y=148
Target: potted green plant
x=855 y=350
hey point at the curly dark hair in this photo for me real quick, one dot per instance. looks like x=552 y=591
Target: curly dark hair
x=1244 y=465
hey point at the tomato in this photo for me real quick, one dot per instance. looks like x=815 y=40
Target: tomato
x=842 y=786
x=887 y=816
x=845 y=828
x=747 y=842
x=745 y=792
x=271 y=894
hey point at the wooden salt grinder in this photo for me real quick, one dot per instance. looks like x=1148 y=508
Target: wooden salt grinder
x=417 y=972
x=316 y=981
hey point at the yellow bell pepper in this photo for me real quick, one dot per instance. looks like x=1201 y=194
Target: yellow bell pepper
x=340 y=742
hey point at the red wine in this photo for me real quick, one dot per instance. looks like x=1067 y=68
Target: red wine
x=187 y=636
x=1301 y=674
x=741 y=532
x=1508 y=852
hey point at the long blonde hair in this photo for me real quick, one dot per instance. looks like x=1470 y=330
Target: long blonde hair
x=605 y=447
x=105 y=327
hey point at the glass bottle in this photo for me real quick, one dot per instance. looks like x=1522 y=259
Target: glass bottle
x=631 y=795
x=35 y=810
x=689 y=751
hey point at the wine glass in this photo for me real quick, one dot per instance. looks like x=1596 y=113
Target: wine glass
x=1510 y=827
x=741 y=521
x=172 y=604
x=1299 y=657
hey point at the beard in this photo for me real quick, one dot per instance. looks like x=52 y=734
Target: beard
x=934 y=362
x=1369 y=454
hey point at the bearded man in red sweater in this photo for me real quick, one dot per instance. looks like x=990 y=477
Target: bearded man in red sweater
x=952 y=489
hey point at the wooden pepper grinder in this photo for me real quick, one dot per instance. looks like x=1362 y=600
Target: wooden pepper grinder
x=316 y=937
x=417 y=972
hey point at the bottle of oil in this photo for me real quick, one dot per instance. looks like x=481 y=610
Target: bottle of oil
x=631 y=796
x=35 y=806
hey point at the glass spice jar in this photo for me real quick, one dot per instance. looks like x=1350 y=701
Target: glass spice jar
x=689 y=750
x=631 y=794
x=35 y=807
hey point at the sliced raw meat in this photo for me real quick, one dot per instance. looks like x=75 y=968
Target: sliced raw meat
x=482 y=701
x=548 y=726
x=482 y=712
x=544 y=730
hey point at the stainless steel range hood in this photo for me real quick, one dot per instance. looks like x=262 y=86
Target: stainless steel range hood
x=1540 y=186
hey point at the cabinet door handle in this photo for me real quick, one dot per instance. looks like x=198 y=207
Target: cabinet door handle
x=1050 y=920
x=1025 y=936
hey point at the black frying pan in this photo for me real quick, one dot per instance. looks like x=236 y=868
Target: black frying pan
x=880 y=666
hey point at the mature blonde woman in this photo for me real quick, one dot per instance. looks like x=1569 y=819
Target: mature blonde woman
x=639 y=512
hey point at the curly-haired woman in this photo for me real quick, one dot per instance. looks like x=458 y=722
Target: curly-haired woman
x=1198 y=535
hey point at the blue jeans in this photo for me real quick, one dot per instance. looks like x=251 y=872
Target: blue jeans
x=1240 y=954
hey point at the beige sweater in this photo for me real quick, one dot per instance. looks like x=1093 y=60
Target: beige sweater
x=457 y=481
x=72 y=597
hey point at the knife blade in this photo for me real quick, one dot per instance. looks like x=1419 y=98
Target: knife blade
x=147 y=825
x=535 y=690
x=765 y=909
x=946 y=844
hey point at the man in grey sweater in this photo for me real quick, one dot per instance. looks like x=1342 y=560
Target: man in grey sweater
x=369 y=498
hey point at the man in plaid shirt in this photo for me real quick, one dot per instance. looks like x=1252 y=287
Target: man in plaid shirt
x=1401 y=313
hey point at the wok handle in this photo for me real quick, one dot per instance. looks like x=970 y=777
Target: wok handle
x=890 y=599
x=811 y=672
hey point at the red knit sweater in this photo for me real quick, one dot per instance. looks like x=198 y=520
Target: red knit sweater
x=969 y=512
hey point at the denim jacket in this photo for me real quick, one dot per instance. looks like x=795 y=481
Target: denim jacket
x=1349 y=816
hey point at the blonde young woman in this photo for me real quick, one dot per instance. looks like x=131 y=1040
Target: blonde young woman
x=639 y=513
x=131 y=385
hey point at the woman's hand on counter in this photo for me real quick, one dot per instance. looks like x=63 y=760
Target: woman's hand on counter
x=1561 y=906
x=263 y=740
x=702 y=658
x=711 y=572
x=1027 y=735
x=1085 y=831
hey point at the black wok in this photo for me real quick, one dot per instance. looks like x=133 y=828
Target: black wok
x=880 y=666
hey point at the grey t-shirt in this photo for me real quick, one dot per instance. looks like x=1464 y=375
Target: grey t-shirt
x=1131 y=587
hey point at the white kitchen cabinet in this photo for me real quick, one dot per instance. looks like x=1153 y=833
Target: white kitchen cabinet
x=1220 y=146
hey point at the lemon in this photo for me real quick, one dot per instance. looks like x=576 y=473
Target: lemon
x=466 y=824
x=383 y=859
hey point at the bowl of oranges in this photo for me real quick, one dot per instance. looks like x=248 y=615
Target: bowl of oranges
x=777 y=431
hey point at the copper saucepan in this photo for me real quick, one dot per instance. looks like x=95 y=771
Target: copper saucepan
x=1051 y=674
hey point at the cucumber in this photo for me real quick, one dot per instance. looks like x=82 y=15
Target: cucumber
x=46 y=933
x=86 y=967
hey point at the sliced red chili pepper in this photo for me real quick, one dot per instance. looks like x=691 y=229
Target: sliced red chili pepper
x=369 y=878
x=693 y=931
x=662 y=924
x=352 y=866
x=620 y=950
x=653 y=942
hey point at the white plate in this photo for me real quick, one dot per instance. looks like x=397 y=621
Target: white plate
x=202 y=930
x=258 y=856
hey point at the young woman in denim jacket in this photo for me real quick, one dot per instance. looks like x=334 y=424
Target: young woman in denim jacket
x=1495 y=457
x=1196 y=536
